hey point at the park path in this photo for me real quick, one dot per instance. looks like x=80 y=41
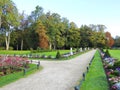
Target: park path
x=56 y=75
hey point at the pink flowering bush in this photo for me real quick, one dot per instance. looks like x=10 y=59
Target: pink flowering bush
x=10 y=64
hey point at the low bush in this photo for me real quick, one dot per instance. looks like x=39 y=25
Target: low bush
x=58 y=55
x=107 y=54
x=117 y=64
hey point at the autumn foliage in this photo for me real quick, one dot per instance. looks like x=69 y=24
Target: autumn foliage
x=43 y=38
x=110 y=40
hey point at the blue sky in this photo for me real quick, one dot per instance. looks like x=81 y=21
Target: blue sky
x=106 y=12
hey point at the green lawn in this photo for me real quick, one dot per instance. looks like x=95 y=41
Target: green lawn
x=52 y=53
x=11 y=52
x=4 y=80
x=95 y=78
x=115 y=54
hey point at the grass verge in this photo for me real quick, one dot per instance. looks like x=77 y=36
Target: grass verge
x=96 y=78
x=4 y=80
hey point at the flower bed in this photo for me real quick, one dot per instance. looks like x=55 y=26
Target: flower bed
x=11 y=64
x=112 y=68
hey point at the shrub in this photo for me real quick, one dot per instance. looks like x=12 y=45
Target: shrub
x=38 y=49
x=109 y=67
x=107 y=54
x=58 y=56
x=77 y=50
x=117 y=64
x=115 y=73
x=102 y=50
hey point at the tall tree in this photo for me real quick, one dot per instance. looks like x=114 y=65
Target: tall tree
x=9 y=18
x=85 y=34
x=29 y=26
x=43 y=39
x=73 y=35
x=117 y=41
x=52 y=26
x=109 y=38
x=36 y=13
x=65 y=28
x=61 y=35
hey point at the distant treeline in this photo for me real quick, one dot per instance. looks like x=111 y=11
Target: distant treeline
x=47 y=31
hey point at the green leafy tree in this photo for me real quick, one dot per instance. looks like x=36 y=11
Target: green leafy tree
x=8 y=19
x=52 y=25
x=35 y=15
x=22 y=27
x=30 y=37
x=73 y=36
x=85 y=33
x=117 y=41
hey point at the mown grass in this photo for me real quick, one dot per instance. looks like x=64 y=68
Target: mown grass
x=96 y=78
x=11 y=52
x=4 y=80
x=62 y=58
x=115 y=54
x=52 y=53
x=73 y=56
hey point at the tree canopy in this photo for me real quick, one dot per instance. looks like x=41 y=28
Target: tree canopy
x=47 y=30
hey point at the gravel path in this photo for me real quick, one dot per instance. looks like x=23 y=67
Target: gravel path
x=56 y=75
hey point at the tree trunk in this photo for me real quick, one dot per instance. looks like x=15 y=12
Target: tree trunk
x=17 y=47
x=7 y=40
x=0 y=21
x=54 y=46
x=50 y=45
x=22 y=44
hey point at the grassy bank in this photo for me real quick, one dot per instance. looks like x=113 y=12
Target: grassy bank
x=95 y=79
x=115 y=54
x=4 y=80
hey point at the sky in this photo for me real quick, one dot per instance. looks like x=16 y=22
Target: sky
x=81 y=12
